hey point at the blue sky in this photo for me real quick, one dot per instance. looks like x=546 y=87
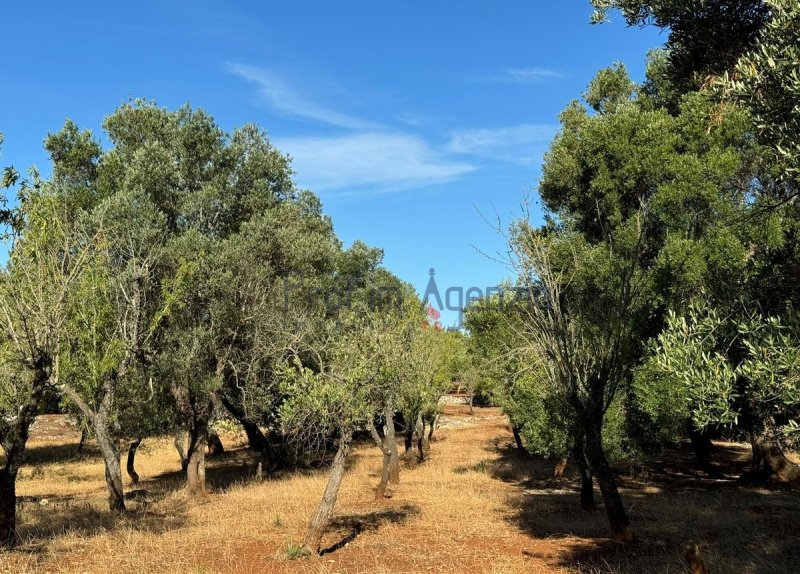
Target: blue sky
x=418 y=123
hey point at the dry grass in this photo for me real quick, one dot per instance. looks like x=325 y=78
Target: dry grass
x=475 y=506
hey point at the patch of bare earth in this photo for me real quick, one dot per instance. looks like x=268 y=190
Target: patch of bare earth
x=476 y=505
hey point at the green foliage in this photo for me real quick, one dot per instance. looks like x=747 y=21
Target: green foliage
x=343 y=371
x=766 y=81
x=706 y=37
x=609 y=89
x=733 y=371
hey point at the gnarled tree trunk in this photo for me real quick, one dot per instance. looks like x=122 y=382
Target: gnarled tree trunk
x=215 y=445
x=102 y=432
x=587 y=488
x=111 y=460
x=130 y=465
x=15 y=438
x=196 y=452
x=769 y=460
x=323 y=515
x=180 y=446
x=255 y=438
x=615 y=510
x=517 y=437
x=390 y=469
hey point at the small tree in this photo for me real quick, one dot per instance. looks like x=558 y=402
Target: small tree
x=332 y=398
x=584 y=360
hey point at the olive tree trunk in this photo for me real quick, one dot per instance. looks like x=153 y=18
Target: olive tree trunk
x=390 y=469
x=409 y=423
x=322 y=516
x=517 y=437
x=109 y=450
x=432 y=422
x=408 y=439
x=196 y=455
x=8 y=507
x=111 y=461
x=769 y=460
x=256 y=439
x=14 y=439
x=130 y=465
x=587 y=487
x=615 y=510
x=84 y=437
x=421 y=437
x=180 y=446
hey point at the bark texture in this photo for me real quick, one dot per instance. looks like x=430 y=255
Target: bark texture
x=769 y=460
x=256 y=439
x=517 y=437
x=587 y=486
x=130 y=465
x=390 y=469
x=111 y=460
x=180 y=446
x=615 y=510
x=100 y=421
x=196 y=451
x=322 y=516
x=15 y=438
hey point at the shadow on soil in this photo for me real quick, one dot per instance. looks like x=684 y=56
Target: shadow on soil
x=60 y=452
x=354 y=524
x=65 y=515
x=670 y=501
x=46 y=516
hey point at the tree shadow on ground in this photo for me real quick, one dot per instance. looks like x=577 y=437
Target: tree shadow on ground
x=63 y=515
x=351 y=525
x=43 y=453
x=670 y=501
x=235 y=467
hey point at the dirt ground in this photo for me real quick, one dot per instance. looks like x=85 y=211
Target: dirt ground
x=476 y=505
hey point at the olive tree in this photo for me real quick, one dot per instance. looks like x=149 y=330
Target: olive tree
x=740 y=372
x=331 y=399
x=46 y=261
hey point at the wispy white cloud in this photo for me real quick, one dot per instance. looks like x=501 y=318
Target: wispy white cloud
x=278 y=94
x=522 y=144
x=533 y=75
x=374 y=160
